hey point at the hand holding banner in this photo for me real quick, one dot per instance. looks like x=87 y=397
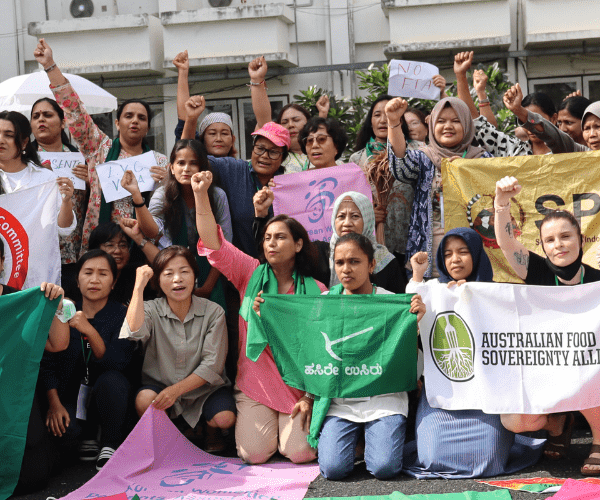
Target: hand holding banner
x=413 y=79
x=111 y=173
x=309 y=196
x=505 y=348
x=63 y=163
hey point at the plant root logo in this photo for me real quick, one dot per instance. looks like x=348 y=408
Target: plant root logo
x=452 y=347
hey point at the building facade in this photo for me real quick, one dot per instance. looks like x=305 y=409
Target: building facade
x=128 y=45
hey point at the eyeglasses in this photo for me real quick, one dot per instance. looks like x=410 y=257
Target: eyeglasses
x=320 y=139
x=272 y=153
x=111 y=247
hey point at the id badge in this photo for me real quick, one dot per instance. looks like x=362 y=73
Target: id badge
x=82 y=401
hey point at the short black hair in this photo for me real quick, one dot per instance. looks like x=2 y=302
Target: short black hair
x=92 y=254
x=164 y=257
x=105 y=232
x=542 y=101
x=334 y=129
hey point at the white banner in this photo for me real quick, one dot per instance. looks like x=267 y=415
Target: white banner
x=29 y=229
x=505 y=348
x=413 y=79
x=62 y=164
x=111 y=173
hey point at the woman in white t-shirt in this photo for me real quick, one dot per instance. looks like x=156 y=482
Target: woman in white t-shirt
x=20 y=169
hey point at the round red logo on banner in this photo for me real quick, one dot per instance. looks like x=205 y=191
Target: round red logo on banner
x=18 y=243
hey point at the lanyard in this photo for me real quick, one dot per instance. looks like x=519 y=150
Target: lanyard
x=86 y=361
x=465 y=153
x=558 y=283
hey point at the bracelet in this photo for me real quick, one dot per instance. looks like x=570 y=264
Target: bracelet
x=484 y=101
x=501 y=207
x=142 y=243
x=309 y=395
x=483 y=104
x=252 y=84
x=203 y=213
x=138 y=205
x=47 y=70
x=395 y=126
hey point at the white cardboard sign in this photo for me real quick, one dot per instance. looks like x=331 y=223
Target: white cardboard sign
x=111 y=173
x=413 y=79
x=63 y=163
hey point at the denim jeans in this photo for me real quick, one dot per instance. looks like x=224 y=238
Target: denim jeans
x=384 y=443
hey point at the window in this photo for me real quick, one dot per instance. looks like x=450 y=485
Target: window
x=559 y=88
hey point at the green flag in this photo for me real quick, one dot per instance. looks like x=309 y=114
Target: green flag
x=24 y=325
x=341 y=346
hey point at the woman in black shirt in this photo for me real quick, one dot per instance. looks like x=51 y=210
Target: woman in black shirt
x=562 y=242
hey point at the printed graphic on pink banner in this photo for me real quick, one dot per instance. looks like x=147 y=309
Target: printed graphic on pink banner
x=157 y=461
x=309 y=196
x=577 y=490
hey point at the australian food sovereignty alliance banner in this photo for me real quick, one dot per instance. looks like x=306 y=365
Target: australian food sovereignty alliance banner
x=505 y=348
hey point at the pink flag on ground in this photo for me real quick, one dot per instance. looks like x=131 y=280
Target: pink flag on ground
x=309 y=196
x=577 y=490
x=157 y=461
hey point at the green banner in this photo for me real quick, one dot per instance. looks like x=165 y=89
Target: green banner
x=339 y=346
x=24 y=325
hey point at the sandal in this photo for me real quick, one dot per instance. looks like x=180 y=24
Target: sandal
x=591 y=461
x=557 y=447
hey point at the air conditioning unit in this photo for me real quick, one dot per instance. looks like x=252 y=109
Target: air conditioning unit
x=80 y=9
x=219 y=3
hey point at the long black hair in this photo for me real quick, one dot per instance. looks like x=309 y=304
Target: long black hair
x=121 y=108
x=366 y=130
x=575 y=105
x=542 y=101
x=64 y=139
x=306 y=258
x=174 y=204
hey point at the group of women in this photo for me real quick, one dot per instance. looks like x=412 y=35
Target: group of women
x=214 y=248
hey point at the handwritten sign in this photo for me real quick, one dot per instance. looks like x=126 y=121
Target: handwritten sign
x=156 y=461
x=63 y=163
x=111 y=173
x=413 y=79
x=309 y=196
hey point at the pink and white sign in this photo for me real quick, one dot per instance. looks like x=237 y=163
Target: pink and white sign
x=309 y=196
x=157 y=462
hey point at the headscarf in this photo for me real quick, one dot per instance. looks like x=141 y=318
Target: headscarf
x=382 y=255
x=215 y=118
x=435 y=151
x=482 y=267
x=592 y=109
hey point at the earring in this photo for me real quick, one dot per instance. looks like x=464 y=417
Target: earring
x=24 y=152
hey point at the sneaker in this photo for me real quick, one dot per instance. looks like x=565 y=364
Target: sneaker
x=104 y=457
x=89 y=450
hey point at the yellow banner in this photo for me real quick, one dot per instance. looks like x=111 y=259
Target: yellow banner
x=568 y=181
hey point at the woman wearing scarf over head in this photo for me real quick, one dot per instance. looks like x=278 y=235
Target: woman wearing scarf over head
x=460 y=444
x=562 y=242
x=451 y=133
x=352 y=213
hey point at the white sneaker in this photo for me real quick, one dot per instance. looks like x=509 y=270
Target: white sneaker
x=105 y=454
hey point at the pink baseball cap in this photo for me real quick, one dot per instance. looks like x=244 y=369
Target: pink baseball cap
x=278 y=135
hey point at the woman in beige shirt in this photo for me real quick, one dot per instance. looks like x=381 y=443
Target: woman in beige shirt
x=185 y=341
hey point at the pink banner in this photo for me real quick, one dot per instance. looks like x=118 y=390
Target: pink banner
x=157 y=462
x=577 y=490
x=309 y=196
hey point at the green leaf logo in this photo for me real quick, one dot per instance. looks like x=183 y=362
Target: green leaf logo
x=452 y=347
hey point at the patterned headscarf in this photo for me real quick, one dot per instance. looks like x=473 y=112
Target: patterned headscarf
x=435 y=151
x=382 y=255
x=215 y=118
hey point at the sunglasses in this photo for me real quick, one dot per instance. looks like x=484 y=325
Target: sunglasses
x=319 y=139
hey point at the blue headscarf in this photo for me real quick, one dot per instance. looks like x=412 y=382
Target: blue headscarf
x=482 y=267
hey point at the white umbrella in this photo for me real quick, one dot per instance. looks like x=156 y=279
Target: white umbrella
x=19 y=93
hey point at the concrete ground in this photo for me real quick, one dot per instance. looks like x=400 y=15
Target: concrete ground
x=362 y=483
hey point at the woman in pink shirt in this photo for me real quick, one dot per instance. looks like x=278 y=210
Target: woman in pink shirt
x=271 y=415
